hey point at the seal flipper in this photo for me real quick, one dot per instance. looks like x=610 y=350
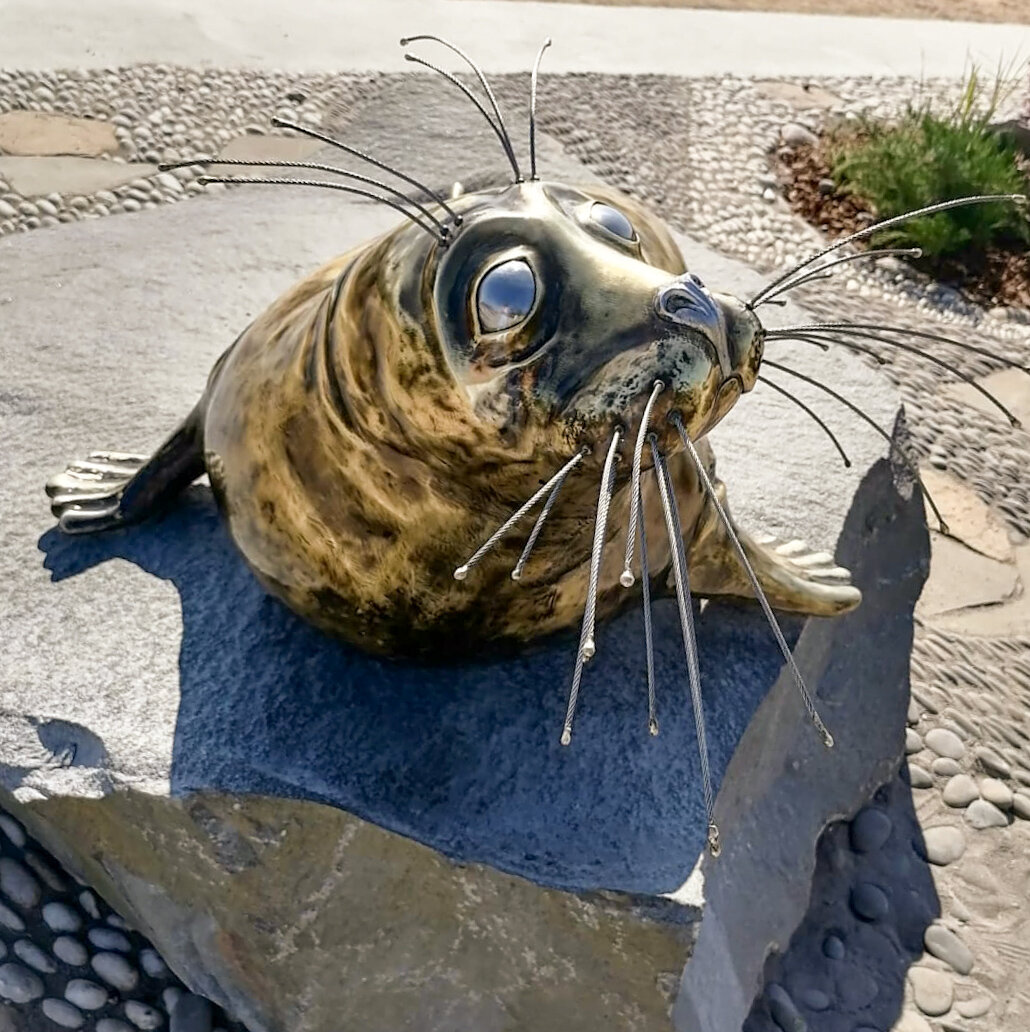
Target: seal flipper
x=110 y=489
x=794 y=577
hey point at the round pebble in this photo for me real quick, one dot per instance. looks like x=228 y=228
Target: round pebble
x=191 y=1014
x=996 y=792
x=946 y=767
x=833 y=947
x=815 y=999
x=783 y=1009
x=59 y=917
x=45 y=872
x=910 y=1021
x=29 y=953
x=931 y=990
x=960 y=791
x=919 y=777
x=944 y=844
x=945 y=742
x=976 y=1007
x=1021 y=805
x=114 y=969
x=10 y=919
x=946 y=945
x=8 y=825
x=913 y=741
x=993 y=762
x=142 y=1016
x=18 y=984
x=113 y=1025
x=170 y=997
x=71 y=951
x=17 y=884
x=869 y=901
x=64 y=1014
x=870 y=830
x=88 y=902
x=152 y=963
x=86 y=994
x=109 y=939
x=982 y=814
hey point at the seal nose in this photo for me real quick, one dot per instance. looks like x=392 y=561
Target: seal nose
x=687 y=302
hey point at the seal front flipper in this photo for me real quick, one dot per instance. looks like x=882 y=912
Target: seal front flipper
x=111 y=489
x=794 y=577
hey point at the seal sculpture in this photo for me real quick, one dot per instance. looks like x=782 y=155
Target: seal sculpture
x=366 y=435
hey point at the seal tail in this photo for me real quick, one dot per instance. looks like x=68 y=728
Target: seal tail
x=111 y=489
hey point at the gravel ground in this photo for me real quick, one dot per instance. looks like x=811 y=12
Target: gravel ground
x=698 y=150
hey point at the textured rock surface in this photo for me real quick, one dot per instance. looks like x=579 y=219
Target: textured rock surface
x=197 y=695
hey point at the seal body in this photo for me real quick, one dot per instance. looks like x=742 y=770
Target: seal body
x=371 y=428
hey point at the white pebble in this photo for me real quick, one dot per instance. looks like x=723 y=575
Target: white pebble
x=17 y=884
x=10 y=919
x=71 y=951
x=113 y=1025
x=86 y=994
x=960 y=791
x=997 y=792
x=32 y=955
x=142 y=1016
x=109 y=939
x=18 y=984
x=982 y=814
x=152 y=963
x=945 y=743
x=61 y=918
x=8 y=825
x=114 y=969
x=63 y=1014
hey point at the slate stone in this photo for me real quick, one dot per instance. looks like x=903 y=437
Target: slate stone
x=45 y=133
x=37 y=177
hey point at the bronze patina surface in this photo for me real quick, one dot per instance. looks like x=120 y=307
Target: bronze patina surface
x=371 y=428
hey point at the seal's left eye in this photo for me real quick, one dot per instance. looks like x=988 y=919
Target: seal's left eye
x=612 y=220
x=506 y=295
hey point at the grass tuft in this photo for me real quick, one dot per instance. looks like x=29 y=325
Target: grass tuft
x=926 y=158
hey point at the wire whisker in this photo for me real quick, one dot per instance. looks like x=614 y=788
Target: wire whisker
x=463 y=571
x=441 y=237
x=812 y=414
x=586 y=650
x=799 y=681
x=314 y=134
x=500 y=127
x=516 y=573
x=645 y=584
x=848 y=403
x=316 y=167
x=824 y=345
x=824 y=271
x=876 y=227
x=685 y=603
x=845 y=331
x=626 y=579
x=532 y=109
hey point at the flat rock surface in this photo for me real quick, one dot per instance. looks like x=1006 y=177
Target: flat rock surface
x=37 y=177
x=46 y=133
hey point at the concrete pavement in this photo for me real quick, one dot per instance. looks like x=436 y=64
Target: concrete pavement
x=355 y=35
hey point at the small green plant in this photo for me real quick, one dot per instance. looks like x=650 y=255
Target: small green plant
x=926 y=158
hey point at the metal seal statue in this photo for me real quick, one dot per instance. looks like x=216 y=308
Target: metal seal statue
x=376 y=436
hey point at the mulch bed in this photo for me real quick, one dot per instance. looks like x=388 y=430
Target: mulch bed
x=999 y=277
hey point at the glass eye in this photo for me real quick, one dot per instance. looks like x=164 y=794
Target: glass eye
x=506 y=295
x=612 y=220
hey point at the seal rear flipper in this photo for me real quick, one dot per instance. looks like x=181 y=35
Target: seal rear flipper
x=794 y=577
x=112 y=489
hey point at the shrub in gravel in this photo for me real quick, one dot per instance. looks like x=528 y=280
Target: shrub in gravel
x=927 y=157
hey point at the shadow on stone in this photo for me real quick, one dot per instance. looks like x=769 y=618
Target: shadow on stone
x=873 y=898
x=464 y=759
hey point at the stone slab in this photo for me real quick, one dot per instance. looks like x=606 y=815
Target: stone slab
x=46 y=134
x=38 y=177
x=151 y=694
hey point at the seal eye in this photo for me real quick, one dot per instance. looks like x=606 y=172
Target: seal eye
x=506 y=295
x=612 y=220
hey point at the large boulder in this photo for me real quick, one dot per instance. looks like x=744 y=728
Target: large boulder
x=316 y=839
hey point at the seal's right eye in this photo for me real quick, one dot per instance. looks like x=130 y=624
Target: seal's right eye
x=506 y=295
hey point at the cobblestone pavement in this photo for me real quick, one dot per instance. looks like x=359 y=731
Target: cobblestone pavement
x=951 y=837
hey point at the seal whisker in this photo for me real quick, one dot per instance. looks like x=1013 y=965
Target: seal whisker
x=532 y=109
x=812 y=414
x=824 y=271
x=500 y=128
x=845 y=330
x=516 y=573
x=316 y=167
x=587 y=647
x=876 y=227
x=848 y=403
x=799 y=681
x=626 y=580
x=921 y=334
x=268 y=181
x=462 y=571
x=685 y=603
x=314 y=134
